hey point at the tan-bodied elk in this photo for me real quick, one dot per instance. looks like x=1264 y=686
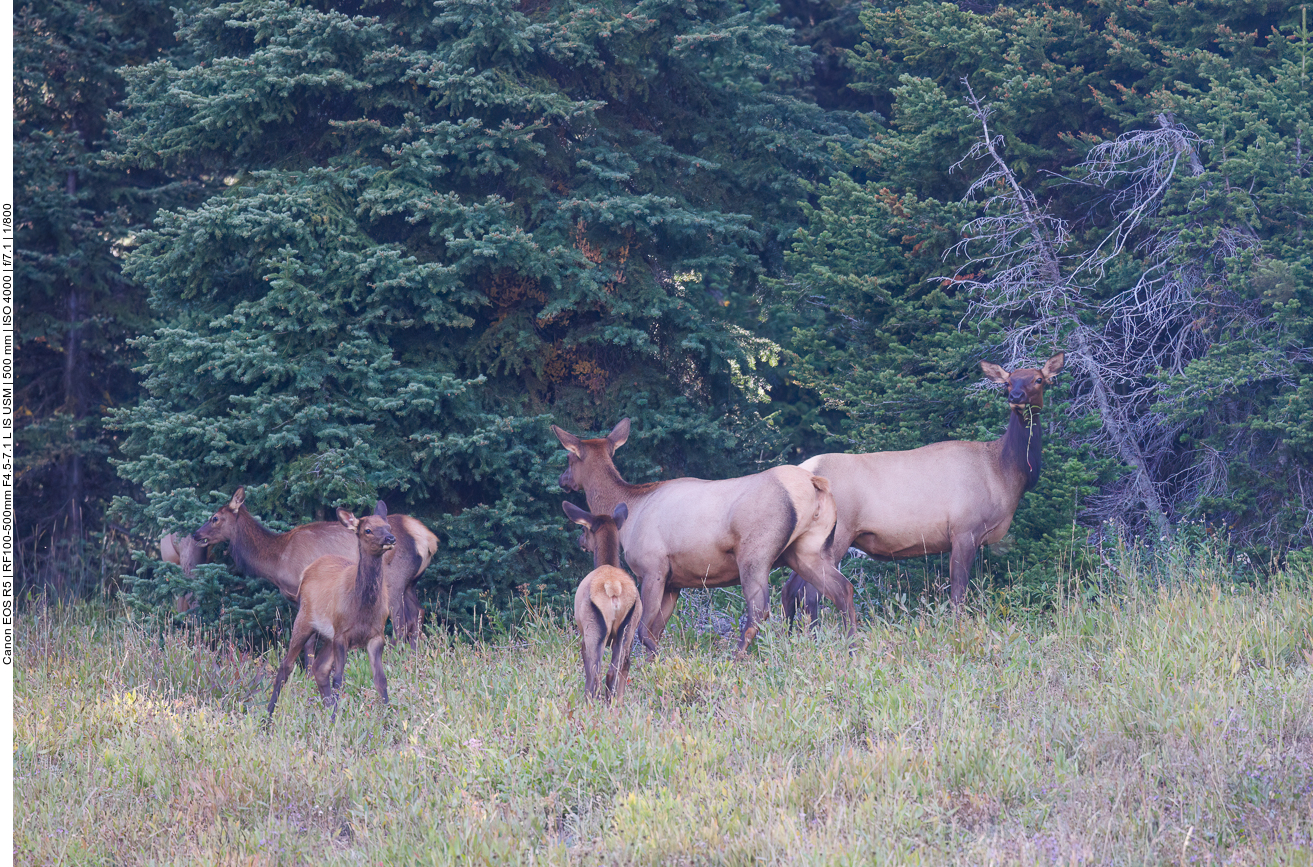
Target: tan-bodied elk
x=182 y=550
x=281 y=557
x=343 y=601
x=607 y=609
x=687 y=533
x=948 y=496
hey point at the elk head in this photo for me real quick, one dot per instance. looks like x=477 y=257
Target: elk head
x=581 y=451
x=594 y=534
x=372 y=530
x=1025 y=385
x=222 y=523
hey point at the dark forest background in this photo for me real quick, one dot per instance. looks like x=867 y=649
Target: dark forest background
x=334 y=252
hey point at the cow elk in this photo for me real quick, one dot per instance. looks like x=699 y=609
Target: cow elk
x=947 y=496
x=281 y=557
x=343 y=601
x=689 y=533
x=607 y=609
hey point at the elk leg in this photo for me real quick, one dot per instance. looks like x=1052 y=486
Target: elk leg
x=965 y=548
x=300 y=634
x=622 y=653
x=414 y=624
x=375 y=649
x=756 y=595
x=829 y=581
x=404 y=610
x=323 y=674
x=338 y=652
x=811 y=603
x=339 y=663
x=653 y=594
x=798 y=589
x=657 y=624
x=789 y=598
x=590 y=648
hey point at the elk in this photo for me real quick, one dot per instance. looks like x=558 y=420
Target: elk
x=282 y=557
x=607 y=609
x=184 y=551
x=948 y=496
x=686 y=533
x=344 y=601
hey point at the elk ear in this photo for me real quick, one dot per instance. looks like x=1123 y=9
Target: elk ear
x=994 y=373
x=381 y=509
x=348 y=520
x=621 y=512
x=576 y=514
x=568 y=440
x=1053 y=367
x=619 y=434
x=238 y=498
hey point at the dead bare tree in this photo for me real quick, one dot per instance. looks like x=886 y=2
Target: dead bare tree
x=1029 y=274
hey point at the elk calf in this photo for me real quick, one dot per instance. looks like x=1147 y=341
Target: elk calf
x=607 y=609
x=345 y=604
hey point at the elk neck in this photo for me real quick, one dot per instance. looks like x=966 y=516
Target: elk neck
x=254 y=545
x=369 y=577
x=1022 y=446
x=605 y=489
x=606 y=545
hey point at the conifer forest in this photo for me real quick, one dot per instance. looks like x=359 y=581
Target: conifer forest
x=341 y=252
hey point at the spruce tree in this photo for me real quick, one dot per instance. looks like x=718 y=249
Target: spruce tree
x=76 y=311
x=431 y=229
x=891 y=318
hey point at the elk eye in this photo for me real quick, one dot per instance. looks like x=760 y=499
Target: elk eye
x=369 y=532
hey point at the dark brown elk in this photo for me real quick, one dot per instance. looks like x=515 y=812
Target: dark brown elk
x=687 y=533
x=948 y=496
x=281 y=557
x=344 y=601
x=607 y=609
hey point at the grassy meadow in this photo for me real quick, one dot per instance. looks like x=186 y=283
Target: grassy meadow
x=1164 y=723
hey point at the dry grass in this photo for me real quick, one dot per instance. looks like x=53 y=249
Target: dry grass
x=1165 y=726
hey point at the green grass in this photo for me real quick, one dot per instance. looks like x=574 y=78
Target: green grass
x=1165 y=725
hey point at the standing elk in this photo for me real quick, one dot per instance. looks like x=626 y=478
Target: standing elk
x=281 y=557
x=607 y=609
x=948 y=496
x=687 y=533
x=344 y=601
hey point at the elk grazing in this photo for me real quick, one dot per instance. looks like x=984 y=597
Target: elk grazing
x=282 y=557
x=687 y=533
x=606 y=605
x=344 y=601
x=947 y=496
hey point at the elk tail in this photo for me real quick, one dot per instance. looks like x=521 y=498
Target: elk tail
x=608 y=595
